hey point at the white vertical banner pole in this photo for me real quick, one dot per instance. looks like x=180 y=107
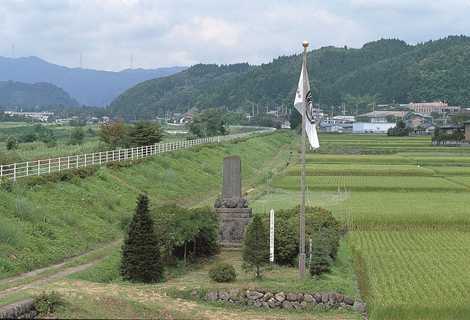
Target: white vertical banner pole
x=310 y=251
x=271 y=236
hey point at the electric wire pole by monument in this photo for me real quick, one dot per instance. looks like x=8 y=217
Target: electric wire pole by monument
x=303 y=104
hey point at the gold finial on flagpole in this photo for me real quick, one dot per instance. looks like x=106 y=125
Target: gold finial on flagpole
x=305 y=44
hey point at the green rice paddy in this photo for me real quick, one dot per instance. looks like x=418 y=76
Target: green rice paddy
x=407 y=206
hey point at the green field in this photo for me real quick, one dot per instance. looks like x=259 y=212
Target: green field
x=407 y=206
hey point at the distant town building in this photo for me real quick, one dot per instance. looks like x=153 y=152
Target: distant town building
x=185 y=118
x=467 y=130
x=337 y=124
x=430 y=107
x=415 y=120
x=382 y=116
x=372 y=127
x=39 y=116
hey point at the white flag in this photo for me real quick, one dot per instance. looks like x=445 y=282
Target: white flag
x=303 y=103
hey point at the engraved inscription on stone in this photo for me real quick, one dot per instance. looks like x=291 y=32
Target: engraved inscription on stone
x=232 y=185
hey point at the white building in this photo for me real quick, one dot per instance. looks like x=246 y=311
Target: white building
x=372 y=127
x=41 y=116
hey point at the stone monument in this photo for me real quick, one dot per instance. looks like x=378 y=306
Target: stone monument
x=232 y=207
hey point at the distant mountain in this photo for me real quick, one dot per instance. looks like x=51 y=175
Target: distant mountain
x=89 y=87
x=383 y=71
x=31 y=95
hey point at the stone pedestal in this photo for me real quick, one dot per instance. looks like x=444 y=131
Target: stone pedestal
x=233 y=222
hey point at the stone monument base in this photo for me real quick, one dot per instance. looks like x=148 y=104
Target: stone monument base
x=233 y=222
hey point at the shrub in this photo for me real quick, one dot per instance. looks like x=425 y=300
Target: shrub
x=321 y=221
x=256 y=246
x=223 y=272
x=286 y=240
x=140 y=260
x=28 y=137
x=11 y=144
x=6 y=184
x=9 y=158
x=47 y=303
x=186 y=233
x=286 y=237
x=320 y=261
x=77 y=135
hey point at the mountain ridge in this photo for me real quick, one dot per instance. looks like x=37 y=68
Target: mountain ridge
x=88 y=86
x=385 y=71
x=20 y=94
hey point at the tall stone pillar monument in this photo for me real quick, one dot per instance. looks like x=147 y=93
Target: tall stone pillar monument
x=231 y=207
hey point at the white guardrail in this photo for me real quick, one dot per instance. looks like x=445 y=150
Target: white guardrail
x=42 y=167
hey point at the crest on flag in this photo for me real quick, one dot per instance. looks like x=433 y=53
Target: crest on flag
x=309 y=104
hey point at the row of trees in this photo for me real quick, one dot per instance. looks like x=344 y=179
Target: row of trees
x=321 y=227
x=118 y=135
x=161 y=237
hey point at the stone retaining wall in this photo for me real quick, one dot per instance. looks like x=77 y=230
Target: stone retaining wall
x=261 y=298
x=19 y=310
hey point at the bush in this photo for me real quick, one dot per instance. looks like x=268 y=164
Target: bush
x=6 y=184
x=286 y=237
x=77 y=135
x=11 y=144
x=320 y=261
x=223 y=272
x=186 y=234
x=28 y=137
x=47 y=303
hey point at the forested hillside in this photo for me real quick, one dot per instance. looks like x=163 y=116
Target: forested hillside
x=30 y=95
x=383 y=71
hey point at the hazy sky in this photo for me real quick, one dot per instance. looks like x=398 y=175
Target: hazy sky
x=182 y=32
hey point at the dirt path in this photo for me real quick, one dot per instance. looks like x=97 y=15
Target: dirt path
x=174 y=308
x=39 y=277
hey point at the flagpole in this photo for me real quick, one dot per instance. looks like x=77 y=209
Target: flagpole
x=302 y=181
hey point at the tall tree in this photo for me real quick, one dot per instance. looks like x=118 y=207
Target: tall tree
x=256 y=246
x=208 y=123
x=140 y=260
x=77 y=136
x=144 y=134
x=113 y=133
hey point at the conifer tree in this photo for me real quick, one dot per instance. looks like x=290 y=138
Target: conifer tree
x=256 y=246
x=140 y=260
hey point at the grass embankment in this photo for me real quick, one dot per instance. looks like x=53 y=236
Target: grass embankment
x=407 y=204
x=46 y=223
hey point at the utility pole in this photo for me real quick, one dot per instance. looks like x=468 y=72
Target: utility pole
x=302 y=179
